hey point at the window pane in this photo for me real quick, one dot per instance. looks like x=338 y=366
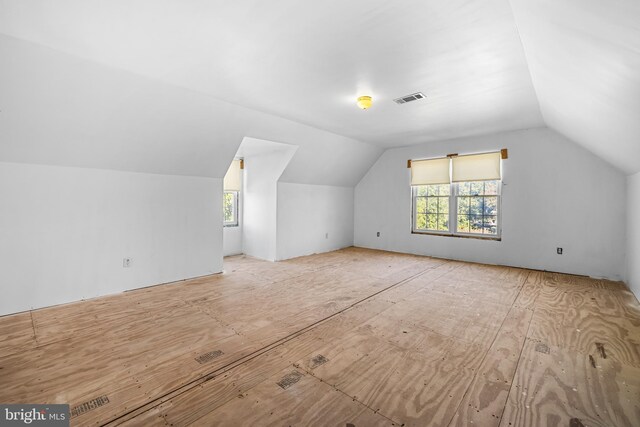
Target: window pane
x=463 y=205
x=463 y=223
x=421 y=204
x=432 y=204
x=444 y=189
x=432 y=221
x=491 y=187
x=475 y=205
x=476 y=188
x=421 y=222
x=490 y=225
x=443 y=222
x=475 y=223
x=229 y=209
x=490 y=205
x=443 y=206
x=463 y=188
x=421 y=190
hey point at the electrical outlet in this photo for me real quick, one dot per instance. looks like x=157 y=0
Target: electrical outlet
x=326 y=235
x=559 y=250
x=126 y=262
x=378 y=234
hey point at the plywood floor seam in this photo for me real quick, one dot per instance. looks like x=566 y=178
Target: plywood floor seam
x=492 y=343
x=352 y=337
x=212 y=375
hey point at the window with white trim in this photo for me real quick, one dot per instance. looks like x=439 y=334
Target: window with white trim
x=457 y=195
x=230 y=208
x=431 y=207
x=232 y=186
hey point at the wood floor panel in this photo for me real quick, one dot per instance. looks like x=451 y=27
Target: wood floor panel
x=377 y=338
x=423 y=390
x=559 y=387
x=530 y=290
x=585 y=331
x=482 y=405
x=306 y=402
x=17 y=333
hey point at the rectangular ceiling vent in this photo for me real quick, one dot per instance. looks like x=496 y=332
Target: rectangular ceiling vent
x=408 y=98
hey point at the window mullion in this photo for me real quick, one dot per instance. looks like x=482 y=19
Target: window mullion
x=453 y=209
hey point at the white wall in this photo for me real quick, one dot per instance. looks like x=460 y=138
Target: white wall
x=556 y=194
x=232 y=236
x=66 y=111
x=261 y=174
x=65 y=231
x=633 y=233
x=313 y=219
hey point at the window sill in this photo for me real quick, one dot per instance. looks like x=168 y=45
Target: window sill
x=231 y=225
x=461 y=236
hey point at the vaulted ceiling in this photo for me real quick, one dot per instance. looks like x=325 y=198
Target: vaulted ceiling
x=485 y=67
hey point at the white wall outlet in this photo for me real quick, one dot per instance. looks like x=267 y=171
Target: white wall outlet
x=126 y=262
x=326 y=235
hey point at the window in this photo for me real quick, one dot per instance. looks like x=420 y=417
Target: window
x=477 y=211
x=232 y=185
x=457 y=197
x=230 y=208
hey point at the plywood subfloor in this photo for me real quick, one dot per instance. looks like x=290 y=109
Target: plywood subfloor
x=349 y=338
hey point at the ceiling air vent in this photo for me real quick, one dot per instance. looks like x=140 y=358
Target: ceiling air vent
x=409 y=98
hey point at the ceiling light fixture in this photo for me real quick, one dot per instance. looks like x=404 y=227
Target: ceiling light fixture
x=364 y=102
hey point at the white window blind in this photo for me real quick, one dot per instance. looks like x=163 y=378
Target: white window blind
x=476 y=167
x=426 y=172
x=232 y=181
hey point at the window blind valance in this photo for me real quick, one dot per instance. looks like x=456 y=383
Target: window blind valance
x=470 y=167
x=232 y=179
x=433 y=171
x=476 y=167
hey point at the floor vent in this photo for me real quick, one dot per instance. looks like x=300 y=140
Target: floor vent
x=289 y=379
x=208 y=357
x=542 y=348
x=409 y=98
x=88 y=406
x=318 y=360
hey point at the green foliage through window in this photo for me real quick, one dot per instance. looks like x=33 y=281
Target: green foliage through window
x=472 y=206
x=432 y=207
x=230 y=208
x=477 y=207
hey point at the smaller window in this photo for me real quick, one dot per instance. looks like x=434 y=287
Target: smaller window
x=230 y=208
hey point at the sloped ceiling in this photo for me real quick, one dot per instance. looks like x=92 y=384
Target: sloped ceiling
x=308 y=60
x=584 y=58
x=63 y=110
x=485 y=67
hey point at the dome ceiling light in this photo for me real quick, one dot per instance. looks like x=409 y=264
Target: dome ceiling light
x=364 y=102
